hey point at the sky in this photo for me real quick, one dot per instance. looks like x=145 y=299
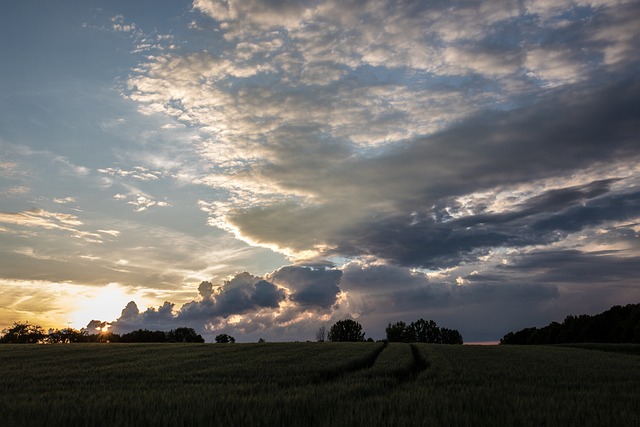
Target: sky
x=264 y=168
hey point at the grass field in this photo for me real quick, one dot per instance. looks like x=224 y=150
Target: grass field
x=317 y=384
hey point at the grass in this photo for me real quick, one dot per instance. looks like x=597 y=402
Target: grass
x=616 y=348
x=316 y=384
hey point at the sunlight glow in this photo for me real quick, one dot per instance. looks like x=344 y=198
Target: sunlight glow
x=101 y=303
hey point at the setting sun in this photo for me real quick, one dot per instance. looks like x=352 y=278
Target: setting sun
x=104 y=304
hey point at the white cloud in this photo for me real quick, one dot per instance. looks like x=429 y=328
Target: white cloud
x=139 y=173
x=64 y=200
x=41 y=218
x=114 y=233
x=143 y=203
x=554 y=67
x=8 y=169
x=15 y=191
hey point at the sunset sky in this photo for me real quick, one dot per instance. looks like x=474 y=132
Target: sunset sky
x=263 y=168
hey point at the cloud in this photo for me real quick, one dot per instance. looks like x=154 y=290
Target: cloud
x=281 y=299
x=41 y=218
x=143 y=203
x=15 y=191
x=571 y=266
x=64 y=200
x=139 y=173
x=379 y=199
x=114 y=233
x=442 y=154
x=377 y=294
x=320 y=120
x=310 y=286
x=8 y=169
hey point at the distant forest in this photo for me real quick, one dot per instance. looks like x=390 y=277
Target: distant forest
x=25 y=333
x=616 y=325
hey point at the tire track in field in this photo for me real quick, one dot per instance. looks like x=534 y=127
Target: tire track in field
x=419 y=362
x=364 y=364
x=357 y=365
x=411 y=372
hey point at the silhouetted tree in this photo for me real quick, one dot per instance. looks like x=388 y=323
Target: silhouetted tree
x=65 y=335
x=399 y=332
x=321 y=334
x=346 y=330
x=450 y=336
x=144 y=335
x=184 y=335
x=616 y=325
x=23 y=333
x=106 y=336
x=422 y=331
x=426 y=331
x=224 y=339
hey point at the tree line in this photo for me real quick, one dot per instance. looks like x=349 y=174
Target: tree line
x=26 y=333
x=421 y=330
x=617 y=325
x=347 y=330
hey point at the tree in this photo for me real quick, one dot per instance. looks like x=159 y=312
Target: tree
x=450 y=336
x=321 y=334
x=23 y=333
x=184 y=335
x=145 y=335
x=426 y=331
x=422 y=331
x=399 y=332
x=65 y=335
x=224 y=339
x=346 y=330
x=616 y=325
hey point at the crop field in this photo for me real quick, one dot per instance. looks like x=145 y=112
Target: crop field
x=317 y=384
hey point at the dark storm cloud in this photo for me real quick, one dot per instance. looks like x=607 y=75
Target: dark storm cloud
x=612 y=208
x=241 y=294
x=406 y=290
x=574 y=266
x=443 y=296
x=549 y=139
x=570 y=130
x=540 y=220
x=310 y=286
x=480 y=309
x=567 y=132
x=358 y=276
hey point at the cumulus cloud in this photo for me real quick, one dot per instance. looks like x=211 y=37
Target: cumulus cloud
x=282 y=299
x=525 y=291
x=310 y=286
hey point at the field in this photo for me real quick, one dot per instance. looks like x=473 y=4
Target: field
x=317 y=384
